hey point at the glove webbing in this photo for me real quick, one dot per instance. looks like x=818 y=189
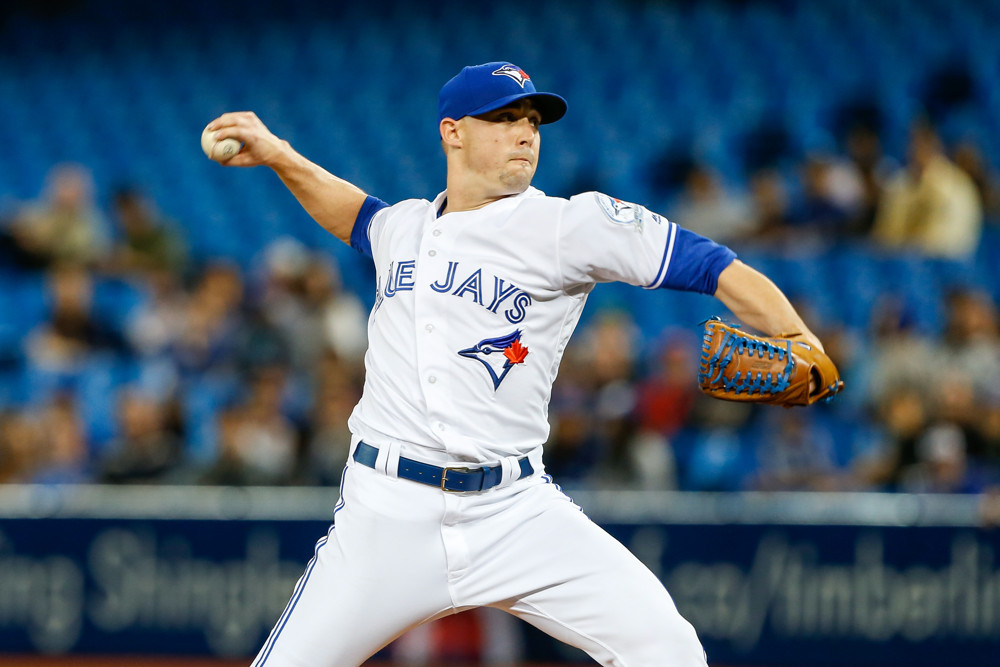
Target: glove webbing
x=748 y=381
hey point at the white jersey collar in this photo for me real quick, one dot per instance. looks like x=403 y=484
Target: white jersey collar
x=530 y=192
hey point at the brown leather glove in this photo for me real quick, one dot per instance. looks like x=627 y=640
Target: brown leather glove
x=737 y=366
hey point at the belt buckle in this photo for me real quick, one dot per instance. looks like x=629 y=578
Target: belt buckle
x=444 y=477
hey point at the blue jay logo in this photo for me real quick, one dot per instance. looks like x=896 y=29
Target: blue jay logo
x=510 y=349
x=515 y=73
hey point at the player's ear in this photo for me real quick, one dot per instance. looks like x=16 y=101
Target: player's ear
x=449 y=133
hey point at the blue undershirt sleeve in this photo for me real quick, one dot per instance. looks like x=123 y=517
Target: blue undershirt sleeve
x=360 y=240
x=696 y=263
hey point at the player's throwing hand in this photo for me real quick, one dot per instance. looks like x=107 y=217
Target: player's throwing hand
x=260 y=146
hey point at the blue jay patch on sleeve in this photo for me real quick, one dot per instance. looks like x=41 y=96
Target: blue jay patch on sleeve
x=621 y=212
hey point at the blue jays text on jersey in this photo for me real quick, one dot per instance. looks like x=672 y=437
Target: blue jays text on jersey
x=475 y=309
x=490 y=294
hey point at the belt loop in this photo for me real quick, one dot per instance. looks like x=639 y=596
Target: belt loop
x=510 y=471
x=387 y=462
x=392 y=459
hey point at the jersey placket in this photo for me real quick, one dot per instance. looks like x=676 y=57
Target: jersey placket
x=428 y=316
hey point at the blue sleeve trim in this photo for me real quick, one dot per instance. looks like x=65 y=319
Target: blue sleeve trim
x=693 y=263
x=360 y=240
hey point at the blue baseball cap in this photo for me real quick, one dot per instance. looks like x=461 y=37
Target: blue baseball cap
x=481 y=88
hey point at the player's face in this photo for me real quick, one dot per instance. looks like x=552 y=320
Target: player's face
x=502 y=146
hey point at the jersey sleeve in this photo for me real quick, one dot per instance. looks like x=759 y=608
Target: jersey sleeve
x=603 y=239
x=361 y=234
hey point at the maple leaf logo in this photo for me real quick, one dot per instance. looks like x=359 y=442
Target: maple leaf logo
x=516 y=352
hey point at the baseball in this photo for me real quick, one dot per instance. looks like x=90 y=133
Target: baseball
x=220 y=151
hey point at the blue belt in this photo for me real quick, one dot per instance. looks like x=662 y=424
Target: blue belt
x=447 y=479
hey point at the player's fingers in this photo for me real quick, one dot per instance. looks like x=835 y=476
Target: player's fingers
x=241 y=159
x=234 y=118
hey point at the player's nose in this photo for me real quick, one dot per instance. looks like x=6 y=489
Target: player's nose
x=527 y=132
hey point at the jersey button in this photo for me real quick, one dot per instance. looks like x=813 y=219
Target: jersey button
x=437 y=232
x=430 y=328
x=432 y=252
x=432 y=379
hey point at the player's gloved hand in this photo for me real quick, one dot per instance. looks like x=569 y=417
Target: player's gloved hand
x=784 y=370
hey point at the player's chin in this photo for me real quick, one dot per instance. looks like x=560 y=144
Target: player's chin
x=518 y=176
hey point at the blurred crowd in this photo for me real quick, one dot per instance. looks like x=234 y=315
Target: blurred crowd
x=226 y=374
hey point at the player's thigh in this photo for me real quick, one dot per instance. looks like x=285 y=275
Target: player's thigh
x=377 y=573
x=603 y=600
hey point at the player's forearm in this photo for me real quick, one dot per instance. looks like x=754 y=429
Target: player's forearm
x=758 y=302
x=332 y=202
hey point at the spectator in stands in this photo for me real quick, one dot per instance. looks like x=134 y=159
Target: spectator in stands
x=72 y=331
x=831 y=195
x=901 y=356
x=795 y=455
x=303 y=298
x=667 y=395
x=971 y=344
x=330 y=439
x=64 y=225
x=904 y=419
x=769 y=203
x=156 y=325
x=941 y=465
x=267 y=440
x=20 y=446
x=706 y=208
x=212 y=316
x=968 y=156
x=230 y=467
x=64 y=452
x=864 y=150
x=145 y=450
x=932 y=205
x=149 y=243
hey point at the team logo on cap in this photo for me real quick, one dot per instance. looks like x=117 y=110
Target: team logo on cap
x=486 y=351
x=515 y=73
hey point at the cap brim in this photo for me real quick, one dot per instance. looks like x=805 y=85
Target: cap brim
x=551 y=106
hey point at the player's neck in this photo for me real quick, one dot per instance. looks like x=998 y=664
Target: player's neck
x=464 y=196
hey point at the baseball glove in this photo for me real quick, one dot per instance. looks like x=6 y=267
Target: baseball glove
x=737 y=366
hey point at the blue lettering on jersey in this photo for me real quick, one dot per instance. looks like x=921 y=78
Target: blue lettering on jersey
x=473 y=285
x=500 y=293
x=521 y=302
x=449 y=279
x=400 y=280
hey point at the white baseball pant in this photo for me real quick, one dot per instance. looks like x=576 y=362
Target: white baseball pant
x=401 y=554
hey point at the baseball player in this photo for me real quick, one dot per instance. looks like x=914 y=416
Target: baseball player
x=444 y=503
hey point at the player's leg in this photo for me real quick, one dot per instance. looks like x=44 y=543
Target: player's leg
x=580 y=585
x=379 y=572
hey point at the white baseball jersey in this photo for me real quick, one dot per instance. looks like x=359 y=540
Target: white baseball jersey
x=474 y=310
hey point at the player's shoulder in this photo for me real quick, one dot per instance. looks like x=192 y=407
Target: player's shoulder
x=601 y=206
x=409 y=206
